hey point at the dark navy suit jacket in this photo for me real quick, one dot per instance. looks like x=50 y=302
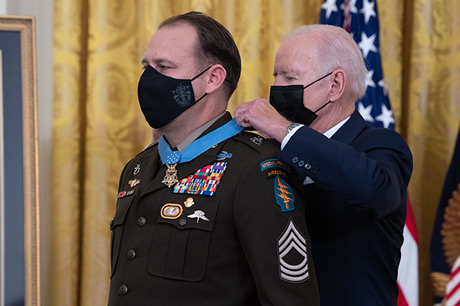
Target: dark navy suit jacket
x=356 y=209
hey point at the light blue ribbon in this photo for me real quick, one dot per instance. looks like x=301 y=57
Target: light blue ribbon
x=199 y=146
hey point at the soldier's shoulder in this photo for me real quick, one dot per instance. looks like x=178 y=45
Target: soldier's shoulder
x=147 y=152
x=257 y=143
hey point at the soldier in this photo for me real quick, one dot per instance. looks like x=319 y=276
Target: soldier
x=209 y=215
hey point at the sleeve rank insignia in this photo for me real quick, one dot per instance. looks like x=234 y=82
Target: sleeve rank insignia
x=292 y=253
x=284 y=195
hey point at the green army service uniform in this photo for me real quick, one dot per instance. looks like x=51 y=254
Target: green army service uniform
x=239 y=240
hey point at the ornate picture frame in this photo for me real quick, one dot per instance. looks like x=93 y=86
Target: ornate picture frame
x=19 y=193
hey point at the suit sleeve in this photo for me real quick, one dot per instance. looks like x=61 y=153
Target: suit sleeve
x=274 y=238
x=372 y=174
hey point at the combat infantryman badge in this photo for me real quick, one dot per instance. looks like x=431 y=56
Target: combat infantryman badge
x=171 y=176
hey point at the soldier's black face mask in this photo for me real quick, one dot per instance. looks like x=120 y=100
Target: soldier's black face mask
x=288 y=101
x=162 y=98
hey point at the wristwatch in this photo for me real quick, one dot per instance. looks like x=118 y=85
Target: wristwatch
x=292 y=126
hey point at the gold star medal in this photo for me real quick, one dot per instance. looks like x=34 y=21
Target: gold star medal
x=171 y=176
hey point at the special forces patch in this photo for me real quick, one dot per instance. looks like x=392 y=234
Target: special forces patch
x=274 y=163
x=204 y=182
x=284 y=195
x=274 y=167
x=292 y=254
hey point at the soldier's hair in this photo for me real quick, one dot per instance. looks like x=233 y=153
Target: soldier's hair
x=215 y=45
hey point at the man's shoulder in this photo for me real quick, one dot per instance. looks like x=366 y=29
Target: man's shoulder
x=256 y=143
x=382 y=136
x=146 y=153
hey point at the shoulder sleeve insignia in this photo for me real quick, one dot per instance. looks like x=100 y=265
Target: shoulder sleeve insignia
x=284 y=195
x=276 y=172
x=292 y=254
x=274 y=163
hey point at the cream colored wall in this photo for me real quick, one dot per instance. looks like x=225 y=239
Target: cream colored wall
x=43 y=12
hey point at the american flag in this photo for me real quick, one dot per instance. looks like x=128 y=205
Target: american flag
x=441 y=254
x=452 y=290
x=360 y=18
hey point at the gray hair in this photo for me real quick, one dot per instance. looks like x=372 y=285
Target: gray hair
x=337 y=49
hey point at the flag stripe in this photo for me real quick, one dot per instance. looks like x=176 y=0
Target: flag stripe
x=453 y=286
x=408 y=272
x=401 y=298
x=410 y=222
x=453 y=291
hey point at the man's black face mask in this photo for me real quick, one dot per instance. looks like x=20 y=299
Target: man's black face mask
x=162 y=98
x=288 y=101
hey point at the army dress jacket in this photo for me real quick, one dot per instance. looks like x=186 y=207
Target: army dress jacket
x=239 y=240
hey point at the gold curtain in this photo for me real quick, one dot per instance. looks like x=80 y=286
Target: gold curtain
x=98 y=126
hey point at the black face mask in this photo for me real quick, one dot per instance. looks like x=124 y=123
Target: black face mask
x=288 y=101
x=162 y=98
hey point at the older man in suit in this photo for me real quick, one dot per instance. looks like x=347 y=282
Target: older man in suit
x=355 y=176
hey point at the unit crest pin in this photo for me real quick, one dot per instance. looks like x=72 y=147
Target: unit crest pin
x=189 y=202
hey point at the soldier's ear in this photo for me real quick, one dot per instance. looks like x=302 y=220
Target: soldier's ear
x=215 y=78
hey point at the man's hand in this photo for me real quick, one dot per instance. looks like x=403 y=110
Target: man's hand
x=263 y=117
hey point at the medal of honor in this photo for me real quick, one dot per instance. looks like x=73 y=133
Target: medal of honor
x=171 y=176
x=171 y=158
